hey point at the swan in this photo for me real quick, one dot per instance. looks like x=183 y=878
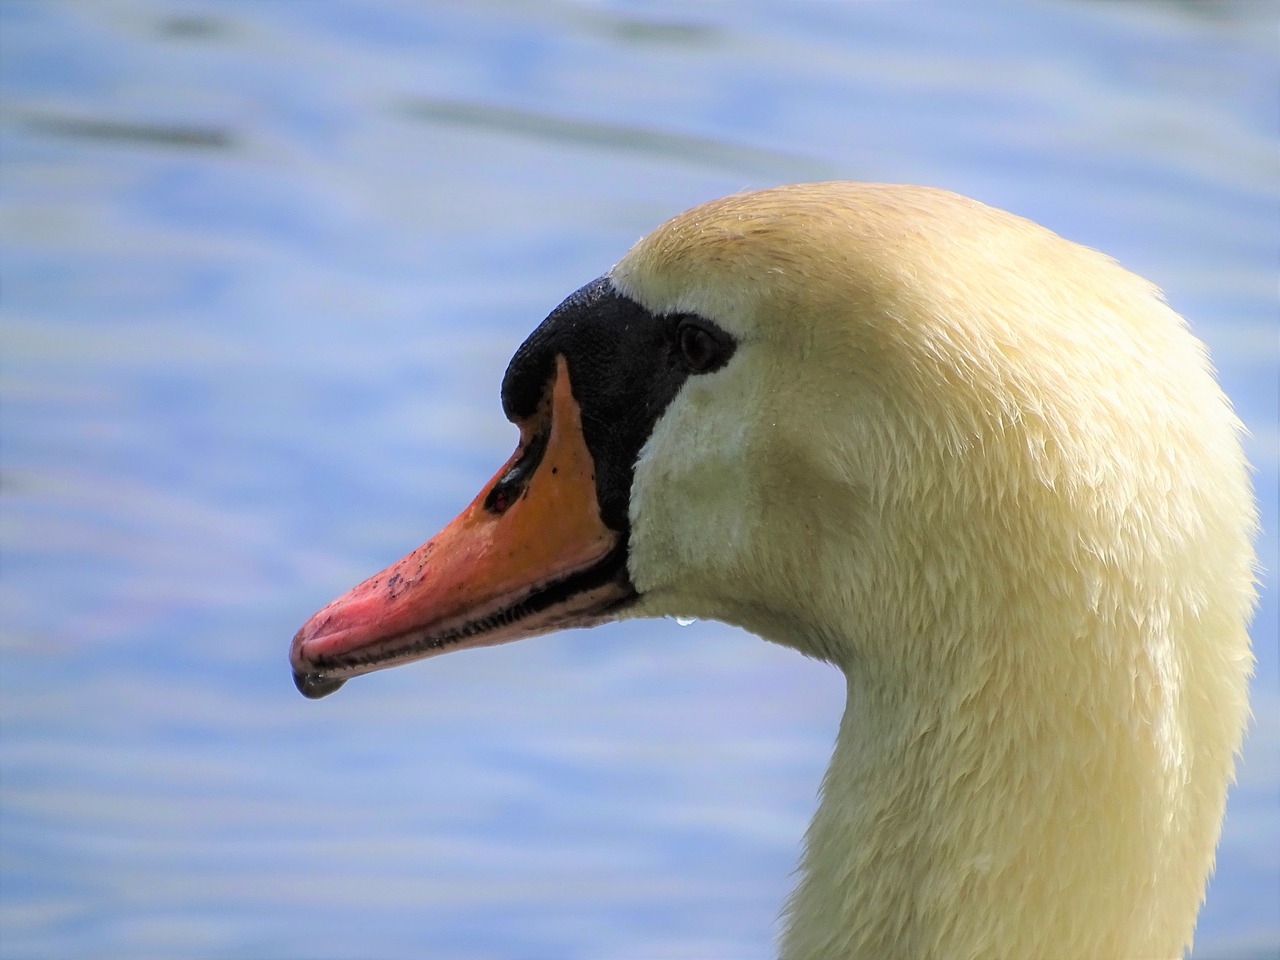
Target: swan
x=984 y=471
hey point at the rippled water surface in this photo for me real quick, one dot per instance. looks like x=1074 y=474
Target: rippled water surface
x=263 y=265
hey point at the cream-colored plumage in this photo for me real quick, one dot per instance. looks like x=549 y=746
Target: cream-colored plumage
x=988 y=474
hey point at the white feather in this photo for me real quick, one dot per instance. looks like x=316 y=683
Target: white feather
x=988 y=474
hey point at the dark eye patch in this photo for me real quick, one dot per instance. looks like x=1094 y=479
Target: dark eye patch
x=625 y=366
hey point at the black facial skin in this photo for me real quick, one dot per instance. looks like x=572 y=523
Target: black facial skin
x=625 y=365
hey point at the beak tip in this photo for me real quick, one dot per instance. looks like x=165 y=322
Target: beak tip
x=313 y=686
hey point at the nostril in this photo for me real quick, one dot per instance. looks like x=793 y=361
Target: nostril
x=500 y=498
x=512 y=484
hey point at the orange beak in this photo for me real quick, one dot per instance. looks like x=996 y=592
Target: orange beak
x=531 y=554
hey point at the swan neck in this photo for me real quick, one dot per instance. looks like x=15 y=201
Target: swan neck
x=949 y=826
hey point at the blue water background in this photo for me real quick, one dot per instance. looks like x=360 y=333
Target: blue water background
x=261 y=268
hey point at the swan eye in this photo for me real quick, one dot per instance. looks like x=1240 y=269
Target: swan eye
x=702 y=350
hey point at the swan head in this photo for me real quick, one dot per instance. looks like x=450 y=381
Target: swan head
x=836 y=414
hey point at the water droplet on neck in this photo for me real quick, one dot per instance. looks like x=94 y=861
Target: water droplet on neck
x=685 y=621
